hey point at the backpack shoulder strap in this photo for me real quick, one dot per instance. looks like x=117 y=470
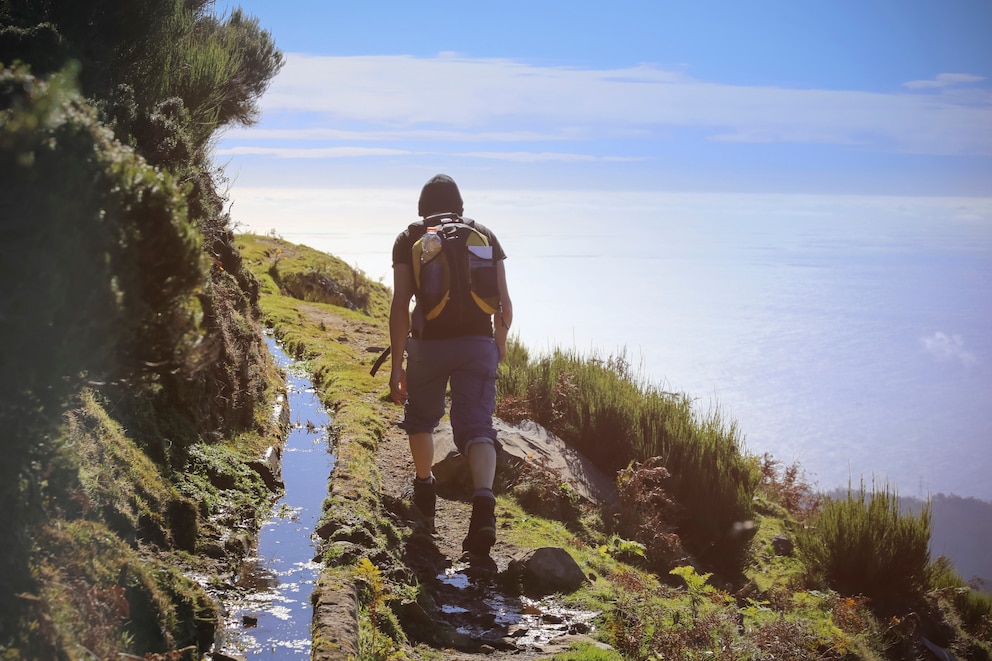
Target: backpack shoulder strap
x=442 y=218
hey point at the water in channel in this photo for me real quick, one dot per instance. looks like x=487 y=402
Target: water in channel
x=272 y=618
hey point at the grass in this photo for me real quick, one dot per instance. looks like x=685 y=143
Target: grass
x=614 y=417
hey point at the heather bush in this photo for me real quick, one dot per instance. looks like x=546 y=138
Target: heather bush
x=863 y=545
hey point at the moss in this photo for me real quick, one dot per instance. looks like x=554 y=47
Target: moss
x=100 y=595
x=768 y=571
x=116 y=477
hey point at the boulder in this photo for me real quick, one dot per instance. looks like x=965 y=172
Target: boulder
x=783 y=545
x=528 y=442
x=547 y=570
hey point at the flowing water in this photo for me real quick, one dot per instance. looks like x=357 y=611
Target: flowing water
x=272 y=616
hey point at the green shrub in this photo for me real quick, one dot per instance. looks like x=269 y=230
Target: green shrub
x=605 y=411
x=863 y=545
x=102 y=268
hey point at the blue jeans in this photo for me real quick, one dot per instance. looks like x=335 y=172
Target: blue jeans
x=470 y=365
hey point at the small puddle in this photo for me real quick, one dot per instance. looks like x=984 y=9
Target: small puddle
x=269 y=615
x=474 y=604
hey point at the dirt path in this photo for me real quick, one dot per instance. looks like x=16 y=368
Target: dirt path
x=467 y=601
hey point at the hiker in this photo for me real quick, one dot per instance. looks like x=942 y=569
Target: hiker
x=462 y=344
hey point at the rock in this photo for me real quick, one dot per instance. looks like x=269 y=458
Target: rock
x=526 y=441
x=226 y=656
x=327 y=529
x=238 y=544
x=184 y=524
x=563 y=644
x=416 y=620
x=783 y=545
x=222 y=481
x=357 y=535
x=335 y=620
x=213 y=549
x=547 y=570
x=269 y=467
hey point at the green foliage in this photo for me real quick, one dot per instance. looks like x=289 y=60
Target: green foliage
x=100 y=598
x=974 y=608
x=374 y=594
x=647 y=621
x=164 y=76
x=584 y=651
x=115 y=478
x=102 y=265
x=696 y=586
x=787 y=486
x=218 y=68
x=155 y=49
x=611 y=416
x=228 y=492
x=622 y=549
x=863 y=545
x=119 y=264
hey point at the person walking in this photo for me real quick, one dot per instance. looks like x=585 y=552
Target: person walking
x=459 y=345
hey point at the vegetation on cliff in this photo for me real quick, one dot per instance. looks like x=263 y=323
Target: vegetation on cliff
x=134 y=376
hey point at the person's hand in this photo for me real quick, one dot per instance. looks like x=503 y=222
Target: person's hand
x=501 y=346
x=397 y=386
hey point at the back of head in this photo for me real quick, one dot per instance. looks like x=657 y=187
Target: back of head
x=440 y=195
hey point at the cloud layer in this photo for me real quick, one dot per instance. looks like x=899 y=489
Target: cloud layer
x=456 y=99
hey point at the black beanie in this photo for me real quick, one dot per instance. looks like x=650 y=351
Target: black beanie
x=440 y=195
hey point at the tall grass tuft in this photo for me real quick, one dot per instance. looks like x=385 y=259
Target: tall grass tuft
x=974 y=608
x=614 y=417
x=863 y=545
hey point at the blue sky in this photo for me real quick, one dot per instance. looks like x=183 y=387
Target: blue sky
x=809 y=181
x=839 y=97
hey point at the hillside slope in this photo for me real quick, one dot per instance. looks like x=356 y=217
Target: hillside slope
x=374 y=554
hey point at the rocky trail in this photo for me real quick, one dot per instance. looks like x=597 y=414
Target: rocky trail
x=475 y=608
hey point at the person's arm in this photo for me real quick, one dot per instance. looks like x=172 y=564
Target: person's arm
x=399 y=329
x=503 y=318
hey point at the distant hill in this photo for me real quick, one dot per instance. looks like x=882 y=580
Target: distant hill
x=962 y=531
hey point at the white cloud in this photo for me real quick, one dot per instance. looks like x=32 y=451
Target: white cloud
x=946 y=347
x=496 y=100
x=357 y=152
x=338 y=135
x=307 y=152
x=548 y=157
x=944 y=80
